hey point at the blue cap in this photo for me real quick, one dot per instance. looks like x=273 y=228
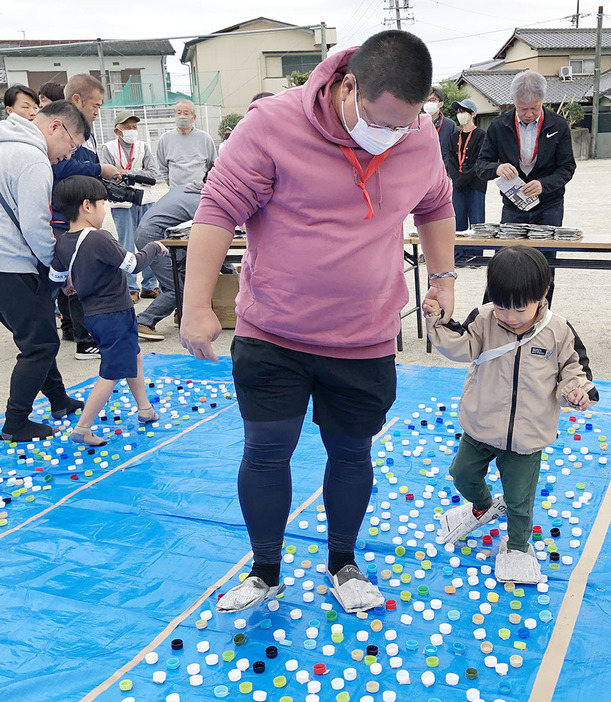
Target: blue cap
x=466 y=105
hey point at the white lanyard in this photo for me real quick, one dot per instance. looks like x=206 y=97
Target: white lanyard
x=491 y=354
x=79 y=241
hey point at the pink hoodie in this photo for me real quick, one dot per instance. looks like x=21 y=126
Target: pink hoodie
x=317 y=277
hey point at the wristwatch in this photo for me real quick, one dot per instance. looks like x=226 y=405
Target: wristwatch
x=445 y=274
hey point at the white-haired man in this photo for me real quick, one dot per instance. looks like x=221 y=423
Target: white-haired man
x=534 y=143
x=185 y=154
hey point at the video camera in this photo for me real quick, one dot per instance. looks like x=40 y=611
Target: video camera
x=121 y=190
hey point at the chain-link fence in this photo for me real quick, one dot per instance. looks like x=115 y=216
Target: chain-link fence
x=155 y=121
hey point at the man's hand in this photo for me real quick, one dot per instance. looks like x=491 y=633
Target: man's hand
x=431 y=308
x=68 y=288
x=441 y=290
x=532 y=188
x=163 y=249
x=578 y=399
x=110 y=172
x=507 y=171
x=198 y=329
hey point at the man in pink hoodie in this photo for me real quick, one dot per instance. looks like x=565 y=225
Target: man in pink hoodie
x=324 y=176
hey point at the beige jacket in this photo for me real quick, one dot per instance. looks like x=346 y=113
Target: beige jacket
x=512 y=396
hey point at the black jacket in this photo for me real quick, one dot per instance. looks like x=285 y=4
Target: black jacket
x=467 y=179
x=555 y=163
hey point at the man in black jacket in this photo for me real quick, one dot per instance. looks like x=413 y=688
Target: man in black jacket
x=534 y=143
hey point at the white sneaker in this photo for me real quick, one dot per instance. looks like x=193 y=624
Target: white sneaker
x=249 y=593
x=354 y=591
x=517 y=567
x=460 y=521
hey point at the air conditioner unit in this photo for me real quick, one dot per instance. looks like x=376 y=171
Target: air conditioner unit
x=566 y=72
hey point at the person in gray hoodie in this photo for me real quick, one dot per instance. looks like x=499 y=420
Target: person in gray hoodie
x=27 y=151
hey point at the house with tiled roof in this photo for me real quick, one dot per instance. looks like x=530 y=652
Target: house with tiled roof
x=139 y=64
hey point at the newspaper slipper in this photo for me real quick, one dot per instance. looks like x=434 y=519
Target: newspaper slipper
x=250 y=592
x=354 y=591
x=517 y=567
x=460 y=521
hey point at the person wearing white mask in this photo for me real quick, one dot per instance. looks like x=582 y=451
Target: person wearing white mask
x=185 y=154
x=464 y=146
x=323 y=175
x=445 y=127
x=130 y=155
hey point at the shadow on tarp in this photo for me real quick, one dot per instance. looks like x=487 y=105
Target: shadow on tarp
x=85 y=588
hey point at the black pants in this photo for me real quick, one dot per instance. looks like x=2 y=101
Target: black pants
x=26 y=310
x=73 y=317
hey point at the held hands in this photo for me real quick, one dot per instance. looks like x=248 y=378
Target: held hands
x=440 y=295
x=68 y=288
x=198 y=329
x=163 y=249
x=532 y=188
x=431 y=308
x=507 y=171
x=578 y=399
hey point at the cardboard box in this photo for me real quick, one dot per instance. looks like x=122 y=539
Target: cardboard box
x=223 y=300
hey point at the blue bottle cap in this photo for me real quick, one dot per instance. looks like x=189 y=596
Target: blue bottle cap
x=309 y=644
x=361 y=544
x=411 y=645
x=458 y=648
x=455 y=499
x=390 y=461
x=523 y=632
x=373 y=579
x=453 y=615
x=544 y=492
x=221 y=691
x=372 y=568
x=265 y=623
x=448 y=570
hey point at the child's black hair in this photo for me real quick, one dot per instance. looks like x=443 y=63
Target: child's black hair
x=69 y=194
x=517 y=276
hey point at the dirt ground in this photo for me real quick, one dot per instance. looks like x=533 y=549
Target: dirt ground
x=583 y=296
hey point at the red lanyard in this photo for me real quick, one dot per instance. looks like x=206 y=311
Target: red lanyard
x=440 y=123
x=463 y=154
x=536 y=141
x=131 y=157
x=372 y=167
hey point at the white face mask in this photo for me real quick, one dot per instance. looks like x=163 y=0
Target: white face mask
x=374 y=141
x=431 y=107
x=129 y=136
x=183 y=121
x=463 y=118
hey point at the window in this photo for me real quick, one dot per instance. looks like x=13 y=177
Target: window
x=299 y=62
x=582 y=66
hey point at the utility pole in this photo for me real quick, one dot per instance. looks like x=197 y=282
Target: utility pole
x=400 y=11
x=323 y=41
x=575 y=17
x=596 y=96
x=100 y=44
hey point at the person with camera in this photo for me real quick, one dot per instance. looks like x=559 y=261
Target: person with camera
x=87 y=94
x=27 y=150
x=132 y=157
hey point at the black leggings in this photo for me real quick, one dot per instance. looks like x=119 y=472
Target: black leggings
x=264 y=485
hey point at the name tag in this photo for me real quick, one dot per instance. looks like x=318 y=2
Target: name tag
x=538 y=351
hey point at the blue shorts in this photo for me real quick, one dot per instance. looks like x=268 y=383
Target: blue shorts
x=116 y=335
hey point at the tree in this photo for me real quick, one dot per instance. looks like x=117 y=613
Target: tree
x=298 y=78
x=453 y=93
x=572 y=112
x=229 y=120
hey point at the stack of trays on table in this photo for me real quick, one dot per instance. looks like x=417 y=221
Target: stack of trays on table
x=540 y=231
x=512 y=230
x=484 y=231
x=567 y=233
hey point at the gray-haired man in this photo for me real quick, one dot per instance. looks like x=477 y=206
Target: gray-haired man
x=534 y=143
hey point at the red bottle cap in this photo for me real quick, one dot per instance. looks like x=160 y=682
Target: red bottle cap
x=319 y=669
x=572 y=419
x=409 y=496
x=118 y=431
x=487 y=539
x=577 y=437
x=74 y=476
x=494 y=532
x=536 y=529
x=391 y=604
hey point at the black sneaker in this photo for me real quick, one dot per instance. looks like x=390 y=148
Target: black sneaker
x=85 y=352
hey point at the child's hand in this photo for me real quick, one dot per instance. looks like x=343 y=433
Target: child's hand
x=163 y=250
x=578 y=399
x=431 y=308
x=68 y=288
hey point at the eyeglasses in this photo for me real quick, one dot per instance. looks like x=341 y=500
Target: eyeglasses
x=400 y=130
x=74 y=144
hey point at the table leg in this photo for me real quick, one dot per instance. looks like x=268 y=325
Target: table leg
x=176 y=275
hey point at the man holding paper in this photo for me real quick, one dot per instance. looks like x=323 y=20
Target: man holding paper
x=533 y=143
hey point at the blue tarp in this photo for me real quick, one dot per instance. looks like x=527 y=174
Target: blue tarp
x=90 y=583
